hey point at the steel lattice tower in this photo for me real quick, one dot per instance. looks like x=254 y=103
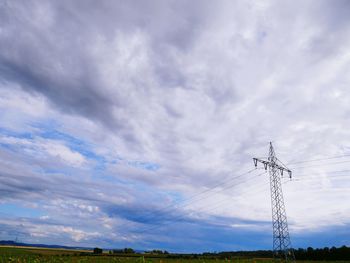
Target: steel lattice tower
x=282 y=248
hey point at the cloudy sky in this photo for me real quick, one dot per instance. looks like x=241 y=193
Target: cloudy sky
x=133 y=123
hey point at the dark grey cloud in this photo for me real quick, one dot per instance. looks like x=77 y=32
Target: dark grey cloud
x=49 y=50
x=16 y=187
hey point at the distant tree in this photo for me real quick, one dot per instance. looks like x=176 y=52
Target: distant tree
x=310 y=249
x=129 y=251
x=158 y=252
x=98 y=250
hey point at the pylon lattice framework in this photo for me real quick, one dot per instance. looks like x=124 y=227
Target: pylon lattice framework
x=282 y=248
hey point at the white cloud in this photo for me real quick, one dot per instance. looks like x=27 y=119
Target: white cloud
x=40 y=148
x=61 y=151
x=76 y=234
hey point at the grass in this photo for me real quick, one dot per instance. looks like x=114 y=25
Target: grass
x=38 y=255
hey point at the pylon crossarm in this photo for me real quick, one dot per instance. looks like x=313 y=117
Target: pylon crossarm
x=272 y=165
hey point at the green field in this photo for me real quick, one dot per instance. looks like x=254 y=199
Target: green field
x=15 y=254
x=36 y=255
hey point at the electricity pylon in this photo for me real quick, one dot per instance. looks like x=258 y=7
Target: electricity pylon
x=282 y=248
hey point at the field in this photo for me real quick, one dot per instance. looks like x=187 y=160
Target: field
x=36 y=255
x=31 y=255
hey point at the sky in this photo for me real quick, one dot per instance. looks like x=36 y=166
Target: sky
x=134 y=123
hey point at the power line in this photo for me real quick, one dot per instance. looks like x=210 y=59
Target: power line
x=326 y=172
x=218 y=185
x=224 y=182
x=260 y=190
x=222 y=201
x=255 y=192
x=194 y=198
x=320 y=159
x=216 y=206
x=181 y=217
x=176 y=219
x=219 y=204
x=207 y=190
x=186 y=202
x=329 y=175
x=315 y=165
x=340 y=176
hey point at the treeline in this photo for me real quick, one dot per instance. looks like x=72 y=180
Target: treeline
x=239 y=254
x=333 y=253
x=122 y=251
x=157 y=252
